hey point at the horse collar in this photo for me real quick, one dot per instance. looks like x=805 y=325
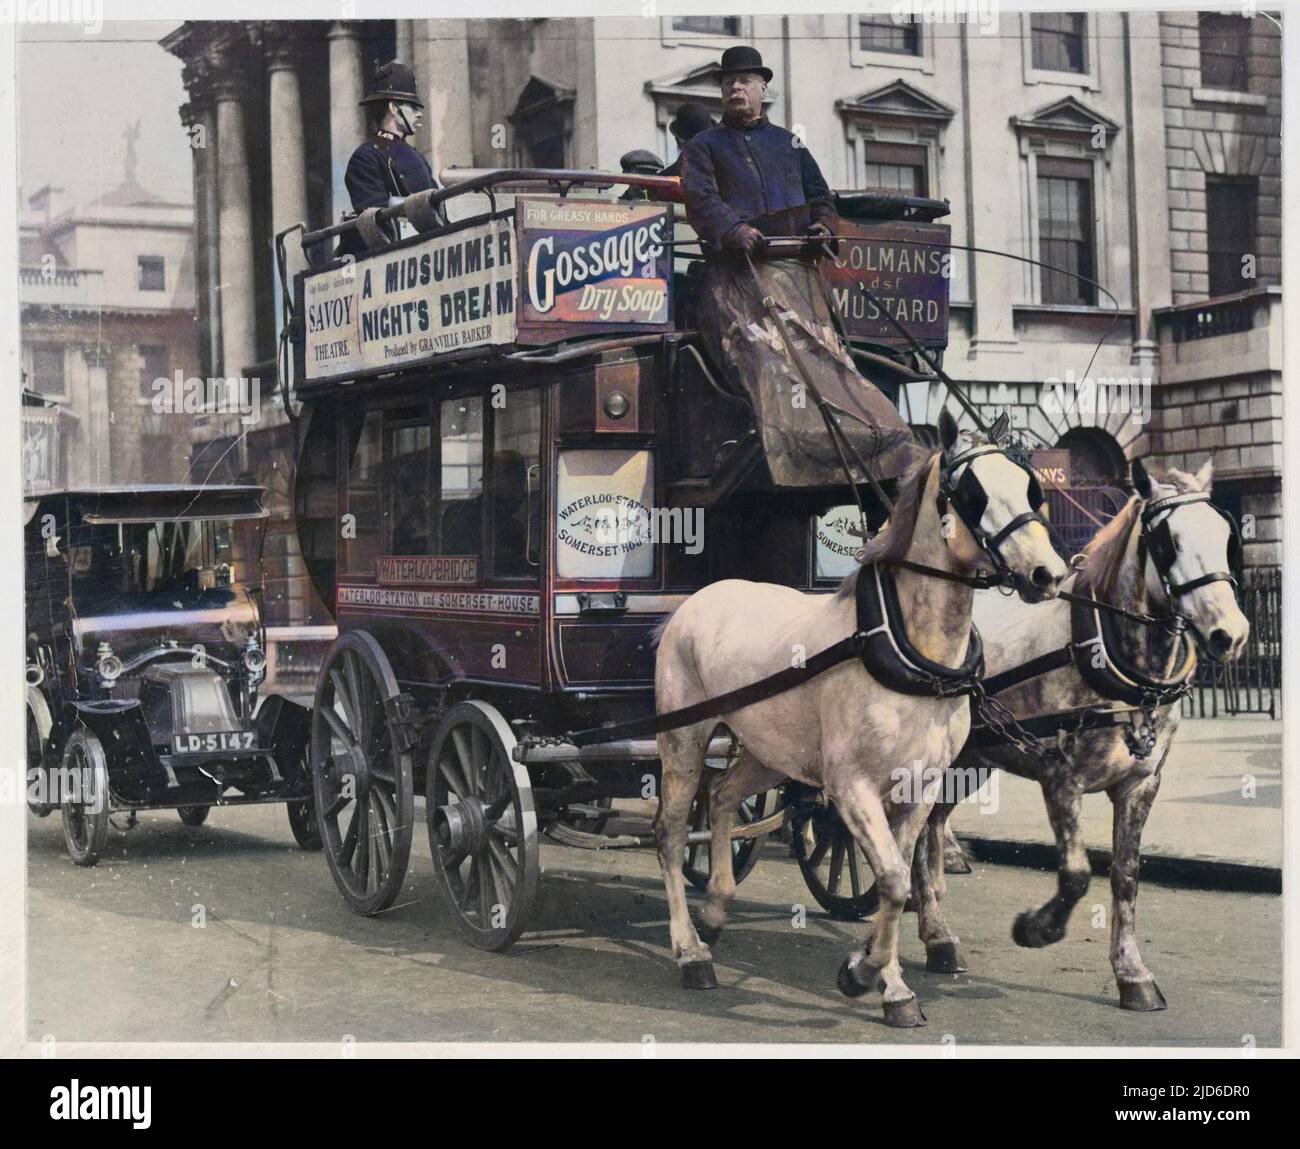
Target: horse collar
x=1112 y=675
x=888 y=654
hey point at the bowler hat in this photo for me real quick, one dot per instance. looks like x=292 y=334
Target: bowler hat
x=743 y=58
x=393 y=81
x=690 y=121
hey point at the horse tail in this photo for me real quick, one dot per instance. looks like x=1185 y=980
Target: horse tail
x=657 y=631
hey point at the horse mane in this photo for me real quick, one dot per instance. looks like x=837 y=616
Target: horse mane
x=893 y=539
x=1105 y=553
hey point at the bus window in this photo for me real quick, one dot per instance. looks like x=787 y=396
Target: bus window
x=361 y=536
x=409 y=459
x=604 y=514
x=516 y=451
x=460 y=429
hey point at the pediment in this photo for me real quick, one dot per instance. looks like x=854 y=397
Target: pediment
x=898 y=99
x=1069 y=116
x=540 y=93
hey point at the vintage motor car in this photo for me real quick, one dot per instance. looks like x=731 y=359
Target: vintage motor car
x=145 y=654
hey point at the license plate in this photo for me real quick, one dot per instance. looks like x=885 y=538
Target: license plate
x=214 y=741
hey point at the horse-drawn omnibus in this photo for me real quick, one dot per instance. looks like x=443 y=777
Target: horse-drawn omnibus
x=511 y=441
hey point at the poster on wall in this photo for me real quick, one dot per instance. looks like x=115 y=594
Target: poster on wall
x=593 y=263
x=448 y=294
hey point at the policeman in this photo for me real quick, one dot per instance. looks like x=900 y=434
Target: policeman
x=746 y=177
x=385 y=167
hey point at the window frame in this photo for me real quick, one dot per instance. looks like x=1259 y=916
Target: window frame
x=672 y=37
x=1082 y=170
x=29 y=363
x=1250 y=185
x=1088 y=79
x=1242 y=59
x=860 y=57
x=143 y=262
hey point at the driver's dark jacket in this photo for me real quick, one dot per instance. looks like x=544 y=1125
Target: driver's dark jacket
x=732 y=176
x=385 y=165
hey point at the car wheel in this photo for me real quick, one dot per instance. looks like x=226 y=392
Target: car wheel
x=85 y=798
x=193 y=815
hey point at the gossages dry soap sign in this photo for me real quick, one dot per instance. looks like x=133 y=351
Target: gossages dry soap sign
x=593 y=262
x=452 y=293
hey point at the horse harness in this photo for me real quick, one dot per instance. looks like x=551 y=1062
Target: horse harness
x=879 y=639
x=1095 y=650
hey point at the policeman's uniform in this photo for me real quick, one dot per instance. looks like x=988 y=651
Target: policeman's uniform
x=385 y=167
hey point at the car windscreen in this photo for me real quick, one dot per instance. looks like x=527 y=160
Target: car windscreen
x=136 y=558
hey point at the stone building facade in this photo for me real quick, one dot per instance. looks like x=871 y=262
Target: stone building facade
x=1074 y=139
x=106 y=293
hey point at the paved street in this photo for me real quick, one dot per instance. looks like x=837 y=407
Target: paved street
x=114 y=956
x=1220 y=800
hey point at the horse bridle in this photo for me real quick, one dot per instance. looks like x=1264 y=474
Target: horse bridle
x=1158 y=544
x=967 y=496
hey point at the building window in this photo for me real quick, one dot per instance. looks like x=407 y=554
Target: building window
x=707 y=25
x=543 y=125
x=1065 y=230
x=1223 y=51
x=1230 y=231
x=894 y=169
x=155 y=363
x=884 y=34
x=48 y=375
x=1060 y=41
x=153 y=273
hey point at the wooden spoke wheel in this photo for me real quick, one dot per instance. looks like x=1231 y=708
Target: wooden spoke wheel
x=193 y=815
x=482 y=825
x=835 y=869
x=362 y=773
x=744 y=851
x=84 y=798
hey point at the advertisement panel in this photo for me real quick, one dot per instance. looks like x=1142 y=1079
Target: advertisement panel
x=451 y=293
x=592 y=265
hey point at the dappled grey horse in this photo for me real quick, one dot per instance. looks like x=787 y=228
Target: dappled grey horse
x=868 y=746
x=1106 y=713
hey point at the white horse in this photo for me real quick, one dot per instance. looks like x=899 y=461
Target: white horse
x=1129 y=565
x=871 y=749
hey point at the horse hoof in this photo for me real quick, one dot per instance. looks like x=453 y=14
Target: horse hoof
x=699 y=975
x=1141 y=995
x=944 y=957
x=848 y=982
x=708 y=934
x=1028 y=933
x=904 y=1014
x=954 y=862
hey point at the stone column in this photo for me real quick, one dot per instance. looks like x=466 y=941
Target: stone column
x=442 y=75
x=199 y=118
x=95 y=466
x=234 y=223
x=1148 y=182
x=288 y=141
x=347 y=117
x=404 y=47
